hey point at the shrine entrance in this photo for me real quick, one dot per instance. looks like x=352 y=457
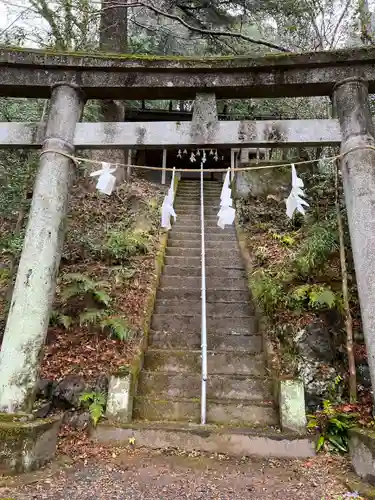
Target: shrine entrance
x=190 y=159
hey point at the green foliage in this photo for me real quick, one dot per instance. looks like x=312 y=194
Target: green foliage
x=332 y=427
x=12 y=245
x=261 y=255
x=271 y=293
x=284 y=238
x=95 y=401
x=153 y=211
x=268 y=291
x=4 y=276
x=312 y=297
x=92 y=316
x=122 y=274
x=59 y=319
x=319 y=244
x=121 y=245
x=79 y=286
x=117 y=327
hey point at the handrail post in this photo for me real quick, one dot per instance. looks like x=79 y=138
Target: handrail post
x=204 y=319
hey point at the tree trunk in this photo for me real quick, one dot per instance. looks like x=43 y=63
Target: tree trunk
x=345 y=295
x=113 y=39
x=35 y=285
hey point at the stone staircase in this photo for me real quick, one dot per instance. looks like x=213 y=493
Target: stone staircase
x=238 y=392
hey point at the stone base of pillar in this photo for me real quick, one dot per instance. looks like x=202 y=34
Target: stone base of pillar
x=26 y=443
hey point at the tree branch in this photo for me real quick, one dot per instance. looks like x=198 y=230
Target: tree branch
x=203 y=31
x=343 y=13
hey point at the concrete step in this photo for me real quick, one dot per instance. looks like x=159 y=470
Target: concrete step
x=208 y=200
x=162 y=385
x=196 y=215
x=178 y=323
x=229 y=262
x=211 y=237
x=216 y=341
x=218 y=296
x=210 y=244
x=209 y=197
x=191 y=193
x=196 y=210
x=209 y=229
x=218 y=412
x=195 y=219
x=230 y=363
x=211 y=272
x=197 y=188
x=209 y=211
x=218 y=253
x=212 y=283
x=194 y=307
x=240 y=442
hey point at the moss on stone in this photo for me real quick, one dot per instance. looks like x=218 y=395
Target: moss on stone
x=26 y=445
x=270 y=59
x=133 y=370
x=367 y=436
x=16 y=417
x=262 y=321
x=363 y=489
x=10 y=429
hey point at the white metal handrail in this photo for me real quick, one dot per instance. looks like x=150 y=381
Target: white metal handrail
x=204 y=318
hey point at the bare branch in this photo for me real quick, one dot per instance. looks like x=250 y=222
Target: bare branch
x=339 y=23
x=203 y=31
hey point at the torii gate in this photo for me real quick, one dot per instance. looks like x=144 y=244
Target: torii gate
x=70 y=79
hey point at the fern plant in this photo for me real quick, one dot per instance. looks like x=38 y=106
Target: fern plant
x=129 y=243
x=59 y=319
x=332 y=427
x=95 y=402
x=117 y=327
x=79 y=285
x=92 y=316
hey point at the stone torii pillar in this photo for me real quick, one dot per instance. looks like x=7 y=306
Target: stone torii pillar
x=34 y=290
x=350 y=99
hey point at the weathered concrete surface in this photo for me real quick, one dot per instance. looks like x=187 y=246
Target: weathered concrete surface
x=212 y=271
x=204 y=124
x=358 y=172
x=238 y=341
x=26 y=444
x=191 y=324
x=120 y=398
x=236 y=442
x=188 y=385
x=169 y=388
x=29 y=73
x=221 y=412
x=275 y=181
x=230 y=363
x=292 y=406
x=362 y=452
x=34 y=289
x=216 y=283
x=213 y=296
x=238 y=309
x=107 y=135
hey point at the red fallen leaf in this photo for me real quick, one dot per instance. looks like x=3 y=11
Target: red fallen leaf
x=307 y=464
x=347 y=408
